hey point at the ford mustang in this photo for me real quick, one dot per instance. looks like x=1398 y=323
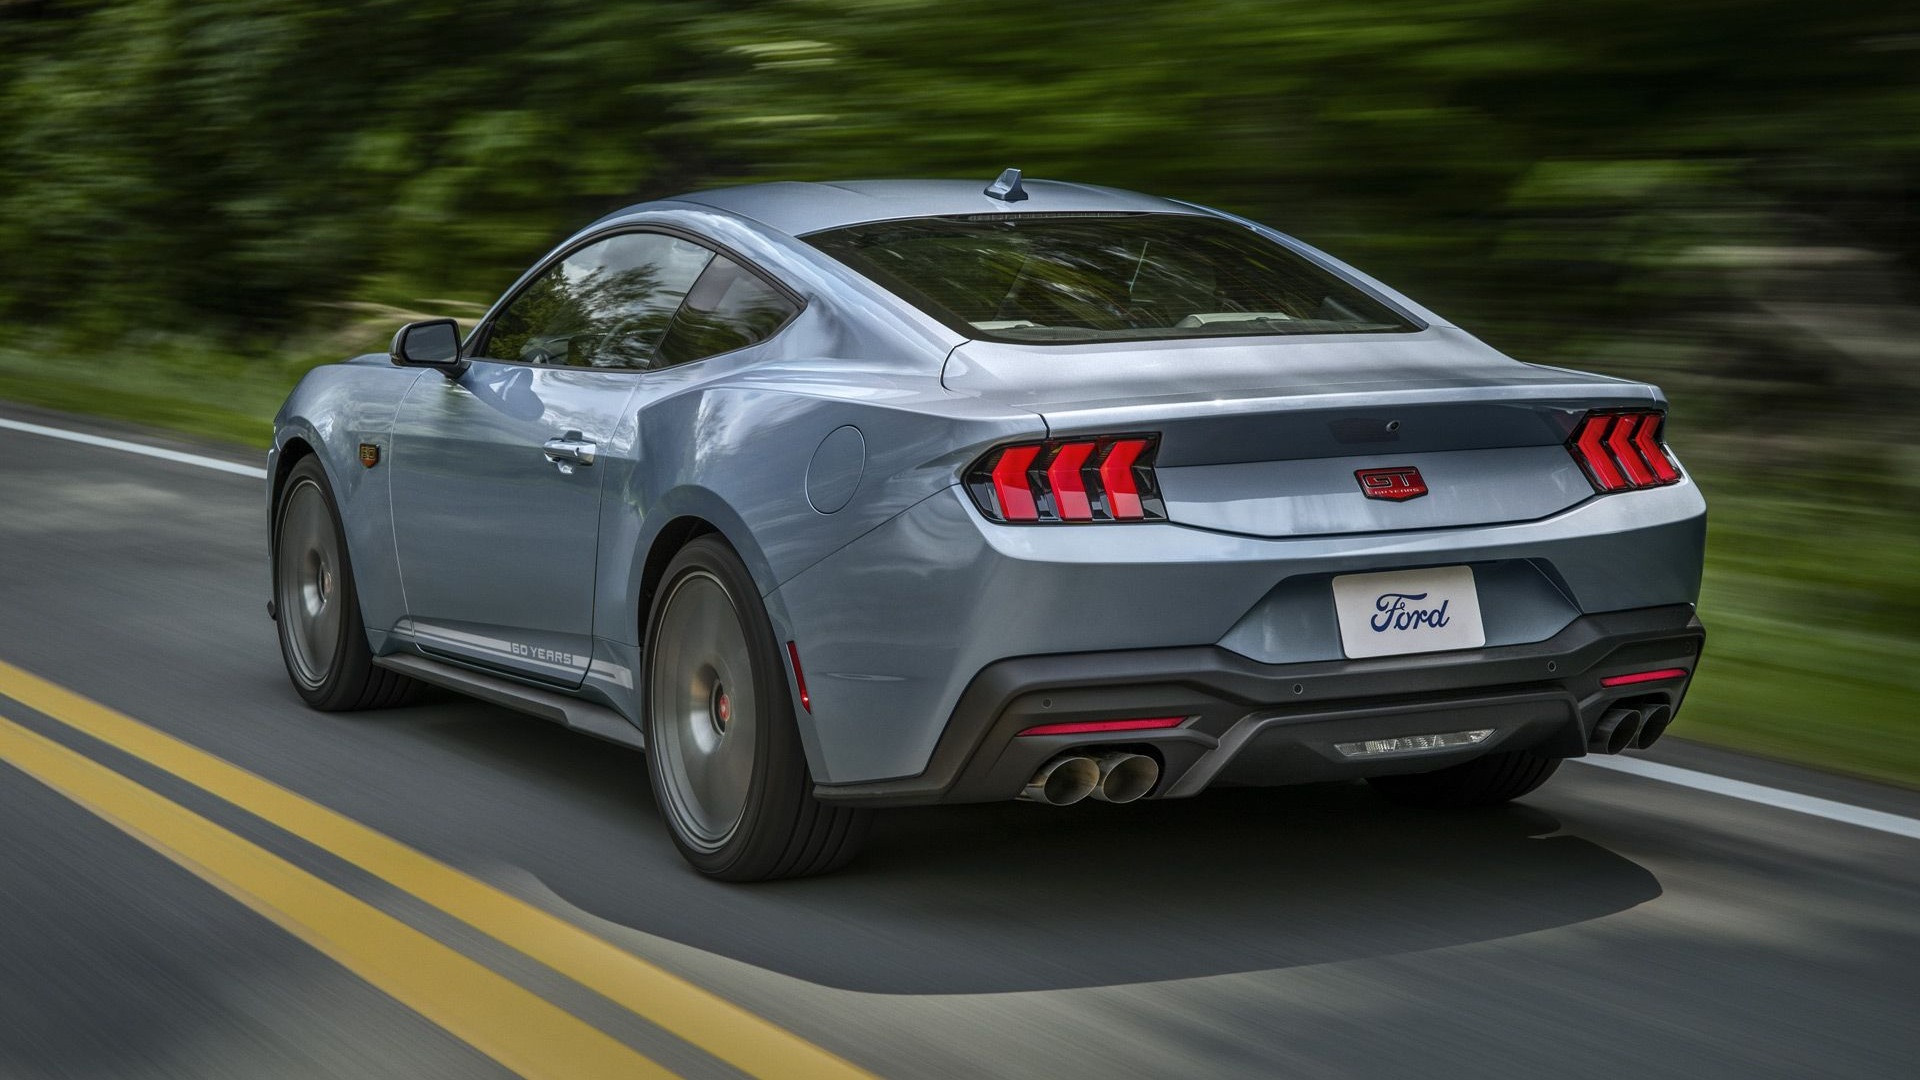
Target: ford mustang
x=834 y=497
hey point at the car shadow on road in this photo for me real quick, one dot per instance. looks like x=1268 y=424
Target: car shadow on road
x=1014 y=896
x=1230 y=881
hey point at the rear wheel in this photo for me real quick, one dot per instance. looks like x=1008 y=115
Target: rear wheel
x=1486 y=781
x=316 y=608
x=723 y=749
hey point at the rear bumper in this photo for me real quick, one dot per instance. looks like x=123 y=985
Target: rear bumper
x=1270 y=724
x=895 y=627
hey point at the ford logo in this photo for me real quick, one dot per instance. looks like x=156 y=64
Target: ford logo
x=1398 y=611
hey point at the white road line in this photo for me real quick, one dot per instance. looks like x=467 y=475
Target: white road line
x=1756 y=793
x=136 y=448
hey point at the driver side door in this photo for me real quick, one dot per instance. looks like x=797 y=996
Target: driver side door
x=495 y=489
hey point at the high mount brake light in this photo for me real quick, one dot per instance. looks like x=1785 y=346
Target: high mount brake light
x=1622 y=451
x=1094 y=480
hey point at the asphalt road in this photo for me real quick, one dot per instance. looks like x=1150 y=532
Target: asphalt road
x=1612 y=925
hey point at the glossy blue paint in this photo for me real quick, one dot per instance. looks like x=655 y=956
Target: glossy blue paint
x=333 y=410
x=834 y=473
x=498 y=545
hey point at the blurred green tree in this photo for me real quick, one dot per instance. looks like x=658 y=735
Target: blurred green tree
x=1535 y=169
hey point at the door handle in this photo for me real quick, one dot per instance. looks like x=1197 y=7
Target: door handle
x=569 y=450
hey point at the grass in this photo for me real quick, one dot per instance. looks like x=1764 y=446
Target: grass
x=220 y=392
x=1813 y=655
x=1811 y=599
x=182 y=399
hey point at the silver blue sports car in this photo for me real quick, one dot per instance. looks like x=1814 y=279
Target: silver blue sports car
x=844 y=496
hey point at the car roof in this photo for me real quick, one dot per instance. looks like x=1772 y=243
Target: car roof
x=800 y=208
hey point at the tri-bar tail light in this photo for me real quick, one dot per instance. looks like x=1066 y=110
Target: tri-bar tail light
x=1623 y=451
x=1080 y=481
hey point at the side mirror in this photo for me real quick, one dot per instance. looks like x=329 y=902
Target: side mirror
x=433 y=343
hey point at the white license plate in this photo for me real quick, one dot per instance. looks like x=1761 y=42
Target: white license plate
x=1408 y=611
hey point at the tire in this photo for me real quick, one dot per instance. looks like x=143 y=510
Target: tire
x=317 y=607
x=1486 y=781
x=723 y=748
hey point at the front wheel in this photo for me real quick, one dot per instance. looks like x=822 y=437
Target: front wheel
x=723 y=748
x=1484 y=781
x=316 y=607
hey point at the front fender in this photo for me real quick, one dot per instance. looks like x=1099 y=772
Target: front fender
x=331 y=413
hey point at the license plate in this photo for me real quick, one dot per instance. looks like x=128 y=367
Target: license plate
x=1408 y=611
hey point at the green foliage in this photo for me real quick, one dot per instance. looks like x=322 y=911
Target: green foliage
x=200 y=198
x=1811 y=648
x=1526 y=166
x=216 y=166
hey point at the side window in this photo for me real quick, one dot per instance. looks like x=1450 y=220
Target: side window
x=729 y=308
x=607 y=305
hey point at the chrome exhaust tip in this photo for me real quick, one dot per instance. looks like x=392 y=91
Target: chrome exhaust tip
x=1615 y=732
x=1063 y=781
x=1125 y=777
x=1654 y=725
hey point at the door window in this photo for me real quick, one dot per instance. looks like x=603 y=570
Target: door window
x=607 y=305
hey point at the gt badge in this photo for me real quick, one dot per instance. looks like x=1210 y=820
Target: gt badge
x=369 y=454
x=1398 y=484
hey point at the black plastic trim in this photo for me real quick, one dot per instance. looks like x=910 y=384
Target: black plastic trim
x=564 y=709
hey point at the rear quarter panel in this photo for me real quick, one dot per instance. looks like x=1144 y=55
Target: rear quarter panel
x=731 y=439
x=737 y=452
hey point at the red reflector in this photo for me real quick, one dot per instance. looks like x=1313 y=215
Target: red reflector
x=1116 y=475
x=1620 y=442
x=1594 y=456
x=1069 y=488
x=1644 y=676
x=799 y=677
x=1010 y=483
x=1089 y=727
x=1644 y=440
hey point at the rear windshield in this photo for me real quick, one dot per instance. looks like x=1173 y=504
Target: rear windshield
x=1067 y=278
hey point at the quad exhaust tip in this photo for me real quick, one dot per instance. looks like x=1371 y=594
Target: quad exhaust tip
x=1653 y=724
x=1117 y=776
x=1063 y=781
x=1125 y=777
x=1618 y=729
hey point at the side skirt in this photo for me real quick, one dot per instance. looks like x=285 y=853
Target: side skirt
x=582 y=716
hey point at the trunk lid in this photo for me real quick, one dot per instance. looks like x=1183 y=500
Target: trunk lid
x=1265 y=438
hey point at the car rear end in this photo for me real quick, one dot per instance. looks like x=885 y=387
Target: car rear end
x=1236 y=558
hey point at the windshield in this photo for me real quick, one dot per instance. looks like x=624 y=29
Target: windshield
x=1067 y=278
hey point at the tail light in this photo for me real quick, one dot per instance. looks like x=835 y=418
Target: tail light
x=1622 y=451
x=1070 y=481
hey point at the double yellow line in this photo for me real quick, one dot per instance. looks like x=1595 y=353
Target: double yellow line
x=521 y=1030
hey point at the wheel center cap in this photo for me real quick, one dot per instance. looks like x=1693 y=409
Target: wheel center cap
x=722 y=708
